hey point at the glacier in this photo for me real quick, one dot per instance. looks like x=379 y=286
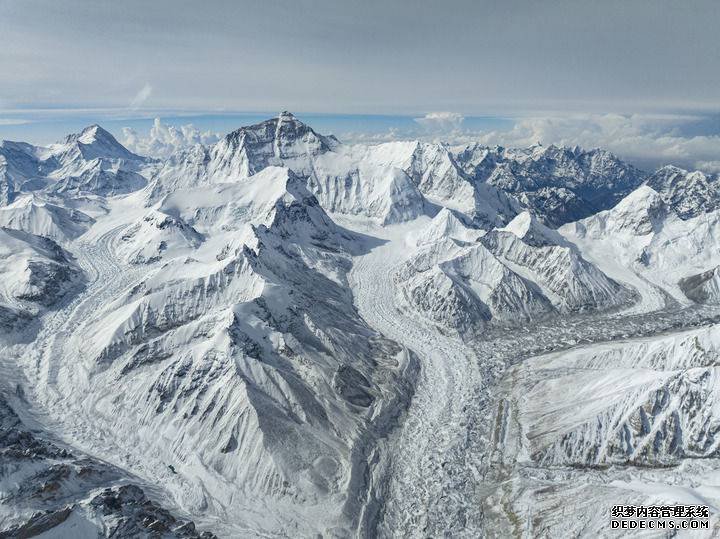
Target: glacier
x=283 y=335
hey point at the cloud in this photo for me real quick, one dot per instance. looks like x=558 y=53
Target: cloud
x=141 y=96
x=645 y=139
x=441 y=121
x=164 y=140
x=13 y=121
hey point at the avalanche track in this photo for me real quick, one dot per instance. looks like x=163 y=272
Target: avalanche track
x=435 y=482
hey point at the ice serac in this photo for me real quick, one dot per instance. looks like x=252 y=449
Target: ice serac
x=251 y=342
x=558 y=184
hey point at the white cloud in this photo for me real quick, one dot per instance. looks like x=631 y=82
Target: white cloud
x=13 y=121
x=441 y=121
x=642 y=138
x=141 y=96
x=163 y=140
x=649 y=140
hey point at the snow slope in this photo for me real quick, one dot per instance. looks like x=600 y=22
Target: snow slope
x=36 y=273
x=620 y=423
x=283 y=335
x=643 y=242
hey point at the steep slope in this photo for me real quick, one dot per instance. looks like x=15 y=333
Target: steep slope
x=628 y=422
x=157 y=236
x=35 y=274
x=41 y=217
x=446 y=225
x=282 y=335
x=89 y=162
x=544 y=257
x=702 y=288
x=341 y=180
x=462 y=286
x=463 y=278
x=20 y=164
x=387 y=182
x=438 y=177
x=643 y=242
x=558 y=184
x=92 y=161
x=688 y=194
x=52 y=490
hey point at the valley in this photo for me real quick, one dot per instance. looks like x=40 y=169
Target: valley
x=280 y=334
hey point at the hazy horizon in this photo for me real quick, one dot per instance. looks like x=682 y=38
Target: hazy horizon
x=639 y=78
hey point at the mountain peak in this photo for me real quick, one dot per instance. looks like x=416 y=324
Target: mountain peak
x=527 y=227
x=272 y=141
x=286 y=116
x=95 y=142
x=94 y=133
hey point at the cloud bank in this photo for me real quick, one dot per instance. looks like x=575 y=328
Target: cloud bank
x=164 y=140
x=647 y=140
x=441 y=121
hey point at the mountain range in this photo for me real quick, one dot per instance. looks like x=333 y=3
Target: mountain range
x=284 y=335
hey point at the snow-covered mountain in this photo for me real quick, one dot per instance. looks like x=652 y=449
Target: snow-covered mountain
x=40 y=216
x=36 y=274
x=284 y=335
x=643 y=241
x=558 y=184
x=462 y=278
x=688 y=194
x=89 y=162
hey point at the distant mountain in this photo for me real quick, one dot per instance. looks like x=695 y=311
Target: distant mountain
x=558 y=184
x=688 y=194
x=391 y=182
x=89 y=162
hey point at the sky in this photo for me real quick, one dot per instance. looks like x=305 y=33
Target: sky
x=642 y=72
